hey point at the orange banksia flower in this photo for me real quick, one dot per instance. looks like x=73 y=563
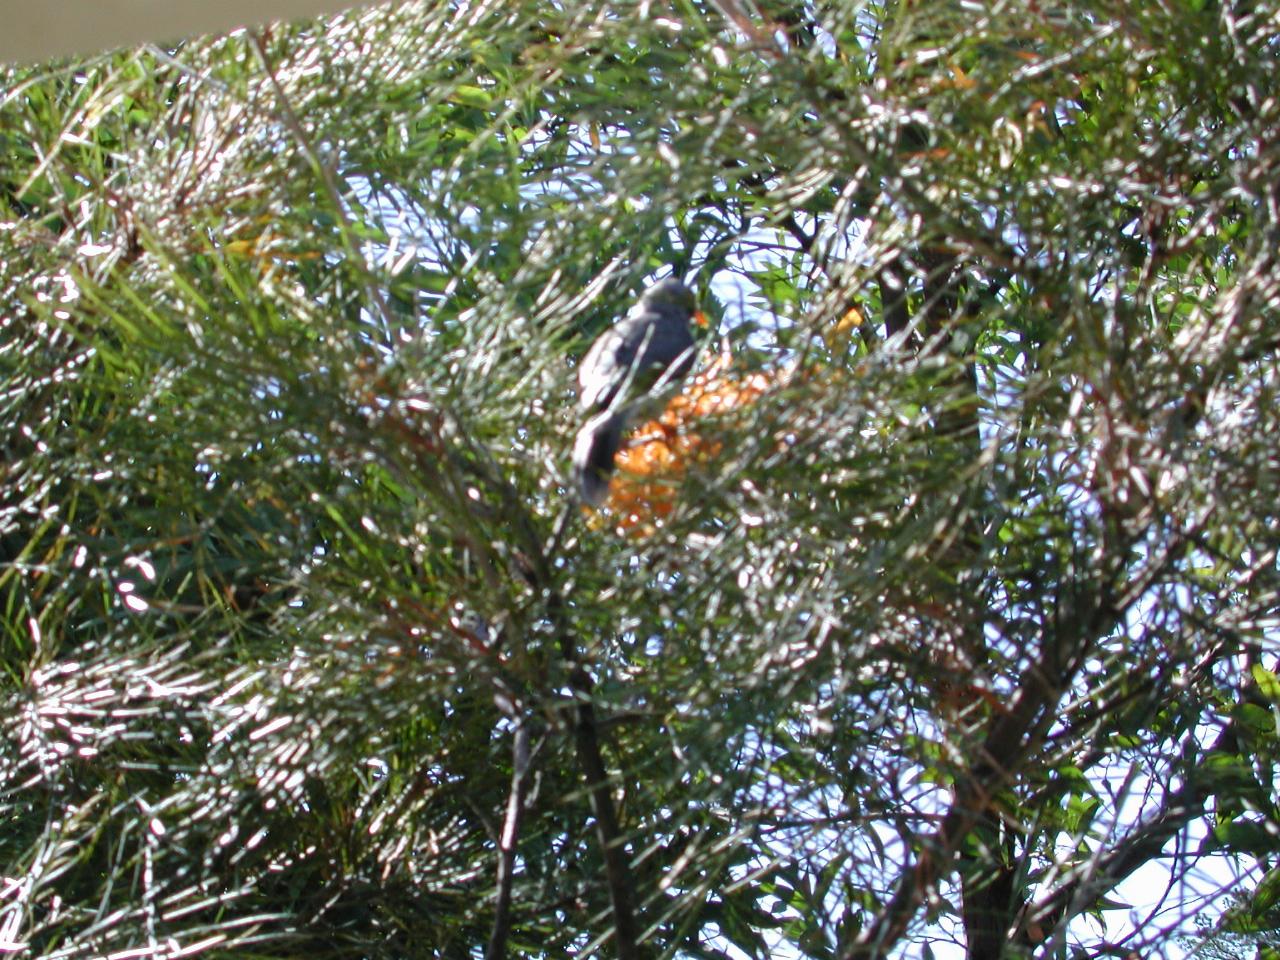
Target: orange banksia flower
x=653 y=462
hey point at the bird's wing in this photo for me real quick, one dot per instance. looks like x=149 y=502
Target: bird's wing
x=649 y=341
x=605 y=367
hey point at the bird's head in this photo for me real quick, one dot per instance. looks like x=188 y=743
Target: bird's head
x=671 y=294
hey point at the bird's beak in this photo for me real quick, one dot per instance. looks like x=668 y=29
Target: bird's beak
x=700 y=318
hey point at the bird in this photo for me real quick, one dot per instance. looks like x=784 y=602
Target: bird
x=648 y=349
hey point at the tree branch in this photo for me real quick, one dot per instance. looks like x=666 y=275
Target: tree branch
x=507 y=842
x=1011 y=737
x=1104 y=873
x=617 y=871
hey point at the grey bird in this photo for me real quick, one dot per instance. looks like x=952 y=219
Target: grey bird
x=650 y=348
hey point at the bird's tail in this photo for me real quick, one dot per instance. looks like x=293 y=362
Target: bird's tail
x=593 y=452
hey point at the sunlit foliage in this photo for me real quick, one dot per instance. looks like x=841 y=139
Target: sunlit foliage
x=940 y=612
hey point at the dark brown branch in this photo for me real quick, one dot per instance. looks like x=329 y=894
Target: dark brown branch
x=1009 y=739
x=792 y=226
x=987 y=866
x=617 y=870
x=507 y=842
x=586 y=730
x=535 y=568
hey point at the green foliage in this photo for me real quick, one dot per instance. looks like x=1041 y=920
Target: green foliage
x=955 y=627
